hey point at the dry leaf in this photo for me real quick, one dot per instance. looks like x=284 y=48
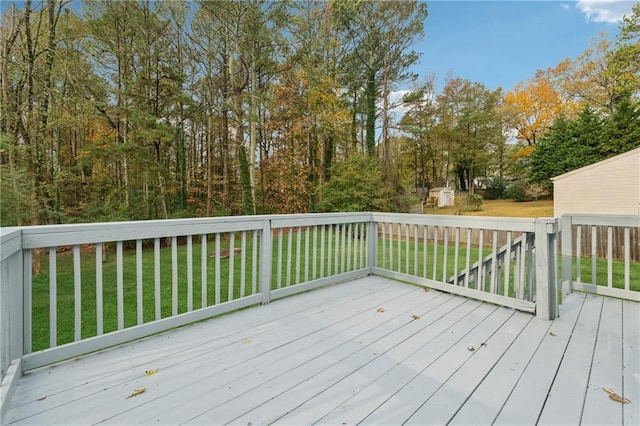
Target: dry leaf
x=483 y=344
x=471 y=349
x=136 y=392
x=615 y=396
x=414 y=316
x=425 y=289
x=43 y=398
x=380 y=309
x=551 y=333
x=151 y=372
x=618 y=398
x=247 y=341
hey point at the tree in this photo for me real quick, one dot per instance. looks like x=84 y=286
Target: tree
x=357 y=185
x=531 y=107
x=381 y=33
x=568 y=145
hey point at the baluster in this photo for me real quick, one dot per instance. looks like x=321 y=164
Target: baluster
x=189 y=273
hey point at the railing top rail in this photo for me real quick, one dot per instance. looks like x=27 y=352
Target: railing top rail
x=86 y=233
x=604 y=220
x=289 y=220
x=474 y=222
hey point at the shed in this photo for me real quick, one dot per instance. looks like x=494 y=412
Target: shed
x=443 y=197
x=611 y=186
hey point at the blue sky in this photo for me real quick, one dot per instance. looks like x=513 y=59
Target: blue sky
x=501 y=43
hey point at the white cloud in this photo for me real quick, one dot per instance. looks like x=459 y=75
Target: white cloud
x=564 y=6
x=605 y=10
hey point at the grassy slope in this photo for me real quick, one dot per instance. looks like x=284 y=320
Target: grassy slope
x=505 y=208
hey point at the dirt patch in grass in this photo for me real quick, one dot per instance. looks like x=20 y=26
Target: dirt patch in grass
x=505 y=208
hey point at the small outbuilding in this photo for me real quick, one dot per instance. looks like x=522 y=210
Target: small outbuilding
x=611 y=186
x=442 y=197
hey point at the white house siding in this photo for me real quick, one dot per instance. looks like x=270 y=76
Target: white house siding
x=610 y=186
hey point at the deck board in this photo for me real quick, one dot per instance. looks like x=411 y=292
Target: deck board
x=631 y=361
x=566 y=396
x=528 y=396
x=605 y=369
x=329 y=357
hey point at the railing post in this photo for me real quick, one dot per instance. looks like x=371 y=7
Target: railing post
x=266 y=256
x=372 y=244
x=546 y=231
x=566 y=229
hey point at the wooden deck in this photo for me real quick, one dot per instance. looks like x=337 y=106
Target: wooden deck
x=330 y=357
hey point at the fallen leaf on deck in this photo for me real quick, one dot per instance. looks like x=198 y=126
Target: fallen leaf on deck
x=43 y=398
x=471 y=349
x=381 y=309
x=483 y=344
x=136 y=392
x=247 y=341
x=551 y=333
x=414 y=316
x=615 y=396
x=151 y=372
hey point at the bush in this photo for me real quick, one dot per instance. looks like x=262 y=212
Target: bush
x=357 y=185
x=517 y=191
x=524 y=191
x=468 y=203
x=497 y=188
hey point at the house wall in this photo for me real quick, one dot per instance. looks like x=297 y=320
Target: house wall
x=611 y=186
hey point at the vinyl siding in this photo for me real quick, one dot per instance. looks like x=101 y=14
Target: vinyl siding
x=611 y=186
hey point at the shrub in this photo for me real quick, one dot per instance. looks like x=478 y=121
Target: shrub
x=468 y=203
x=524 y=191
x=357 y=185
x=517 y=191
x=497 y=188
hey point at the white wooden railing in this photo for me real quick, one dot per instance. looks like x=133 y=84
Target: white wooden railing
x=491 y=259
x=97 y=285
x=586 y=270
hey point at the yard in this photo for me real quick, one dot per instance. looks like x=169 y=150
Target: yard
x=504 y=208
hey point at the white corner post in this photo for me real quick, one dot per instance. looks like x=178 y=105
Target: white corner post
x=566 y=230
x=372 y=244
x=546 y=267
x=266 y=253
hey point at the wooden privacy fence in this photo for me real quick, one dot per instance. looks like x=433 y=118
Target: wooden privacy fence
x=589 y=238
x=599 y=255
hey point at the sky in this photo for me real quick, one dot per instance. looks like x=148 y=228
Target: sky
x=501 y=43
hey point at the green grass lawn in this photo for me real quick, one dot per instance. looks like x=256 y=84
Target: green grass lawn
x=291 y=269
x=504 y=208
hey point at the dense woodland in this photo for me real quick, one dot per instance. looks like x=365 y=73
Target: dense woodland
x=115 y=110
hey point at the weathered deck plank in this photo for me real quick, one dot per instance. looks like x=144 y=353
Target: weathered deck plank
x=484 y=404
x=566 y=397
x=606 y=366
x=312 y=403
x=631 y=361
x=328 y=356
